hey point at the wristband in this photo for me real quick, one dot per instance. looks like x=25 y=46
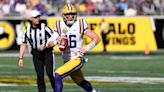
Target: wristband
x=20 y=58
x=90 y=46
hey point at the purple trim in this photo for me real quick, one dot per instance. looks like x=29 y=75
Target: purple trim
x=56 y=27
x=83 y=26
x=59 y=28
x=80 y=25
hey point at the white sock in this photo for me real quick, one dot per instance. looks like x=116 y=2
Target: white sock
x=94 y=90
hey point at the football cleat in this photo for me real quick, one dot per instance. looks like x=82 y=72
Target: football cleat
x=94 y=90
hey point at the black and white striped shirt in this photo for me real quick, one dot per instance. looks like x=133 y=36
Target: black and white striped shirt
x=37 y=36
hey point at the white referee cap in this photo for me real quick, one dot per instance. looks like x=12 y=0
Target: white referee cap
x=34 y=13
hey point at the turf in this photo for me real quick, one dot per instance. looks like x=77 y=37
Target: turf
x=98 y=65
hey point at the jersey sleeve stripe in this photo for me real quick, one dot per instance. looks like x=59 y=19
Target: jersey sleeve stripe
x=85 y=28
x=81 y=26
x=58 y=27
x=55 y=29
x=85 y=24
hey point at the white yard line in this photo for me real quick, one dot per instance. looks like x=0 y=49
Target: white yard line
x=12 y=55
x=126 y=79
x=133 y=57
x=127 y=72
x=3 y=84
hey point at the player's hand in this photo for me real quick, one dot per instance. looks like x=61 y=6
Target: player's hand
x=50 y=44
x=82 y=50
x=60 y=37
x=42 y=47
x=20 y=63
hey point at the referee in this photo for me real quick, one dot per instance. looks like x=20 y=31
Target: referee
x=37 y=34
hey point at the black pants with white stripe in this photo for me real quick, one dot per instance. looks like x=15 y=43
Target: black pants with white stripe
x=43 y=60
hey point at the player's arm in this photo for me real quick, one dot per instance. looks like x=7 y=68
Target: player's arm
x=52 y=41
x=93 y=43
x=94 y=37
x=91 y=34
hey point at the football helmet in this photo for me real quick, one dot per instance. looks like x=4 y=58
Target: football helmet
x=69 y=14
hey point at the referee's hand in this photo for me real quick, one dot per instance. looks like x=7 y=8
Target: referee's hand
x=20 y=63
x=42 y=47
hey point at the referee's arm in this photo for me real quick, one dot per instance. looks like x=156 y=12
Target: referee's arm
x=21 y=54
x=22 y=51
x=48 y=33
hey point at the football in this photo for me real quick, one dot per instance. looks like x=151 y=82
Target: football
x=62 y=44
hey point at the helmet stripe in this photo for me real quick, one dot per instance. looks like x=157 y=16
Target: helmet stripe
x=69 y=8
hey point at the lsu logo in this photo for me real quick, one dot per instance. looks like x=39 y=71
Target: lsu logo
x=7 y=35
x=65 y=31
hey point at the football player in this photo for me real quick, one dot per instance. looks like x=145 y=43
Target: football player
x=74 y=29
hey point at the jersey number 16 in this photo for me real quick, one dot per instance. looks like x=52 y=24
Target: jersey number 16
x=72 y=41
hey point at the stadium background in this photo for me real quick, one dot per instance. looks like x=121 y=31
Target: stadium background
x=132 y=61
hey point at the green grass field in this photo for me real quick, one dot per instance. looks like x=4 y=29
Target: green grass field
x=12 y=79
